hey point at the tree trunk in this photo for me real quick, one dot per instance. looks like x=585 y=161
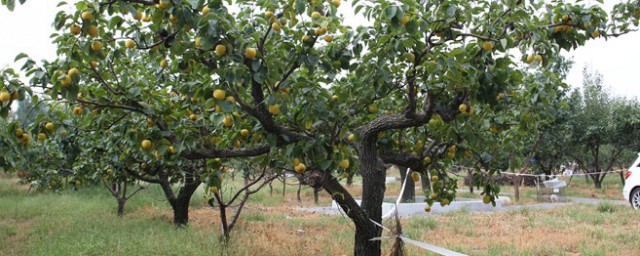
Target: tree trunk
x=426 y=184
x=597 y=182
x=223 y=219
x=316 y=196
x=180 y=204
x=121 y=203
x=284 y=185
x=180 y=212
x=470 y=174
x=298 y=192
x=350 y=179
x=365 y=229
x=373 y=180
x=622 y=176
x=516 y=187
x=409 y=194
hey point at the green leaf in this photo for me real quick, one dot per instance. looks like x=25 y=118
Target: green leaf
x=391 y=11
x=20 y=56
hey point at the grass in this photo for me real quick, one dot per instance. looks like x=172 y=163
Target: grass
x=84 y=222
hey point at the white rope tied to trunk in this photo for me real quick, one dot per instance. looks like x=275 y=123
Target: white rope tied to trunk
x=423 y=245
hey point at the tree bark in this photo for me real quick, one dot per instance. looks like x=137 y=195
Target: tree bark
x=316 y=196
x=409 y=194
x=373 y=175
x=426 y=184
x=365 y=229
x=121 y=203
x=516 y=187
x=470 y=175
x=180 y=204
x=350 y=179
x=597 y=181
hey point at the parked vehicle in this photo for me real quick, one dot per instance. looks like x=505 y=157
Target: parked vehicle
x=631 y=190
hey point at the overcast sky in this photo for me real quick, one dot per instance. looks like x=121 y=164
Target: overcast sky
x=27 y=29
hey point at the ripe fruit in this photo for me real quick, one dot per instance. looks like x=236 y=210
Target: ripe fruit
x=444 y=202
x=316 y=15
x=487 y=46
x=42 y=137
x=193 y=117
x=205 y=10
x=404 y=20
x=221 y=49
x=274 y=109
x=49 y=126
x=147 y=18
x=96 y=46
x=538 y=58
x=129 y=44
x=250 y=53
x=164 y=63
x=25 y=139
x=231 y=99
x=434 y=178
x=336 y=3
x=328 y=38
x=565 y=17
x=214 y=190
x=468 y=154
x=486 y=199
x=5 y=96
x=426 y=160
x=75 y=29
x=19 y=132
x=344 y=164
x=146 y=144
x=244 y=132
x=296 y=161
x=163 y=4
x=300 y=168
x=77 y=111
x=92 y=31
x=321 y=31
x=595 y=33
x=415 y=176
x=73 y=71
x=171 y=150
x=63 y=133
x=66 y=81
x=276 y=26
x=173 y=18
x=306 y=38
x=373 y=109
x=93 y=64
x=463 y=108
x=352 y=137
x=268 y=14
x=219 y=94
x=137 y=16
x=87 y=16
x=427 y=209
x=198 y=40
x=530 y=58
x=334 y=98
x=227 y=121
x=500 y=96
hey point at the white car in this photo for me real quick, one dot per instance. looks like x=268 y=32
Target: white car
x=631 y=190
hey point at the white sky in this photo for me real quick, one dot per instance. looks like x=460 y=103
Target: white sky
x=28 y=27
